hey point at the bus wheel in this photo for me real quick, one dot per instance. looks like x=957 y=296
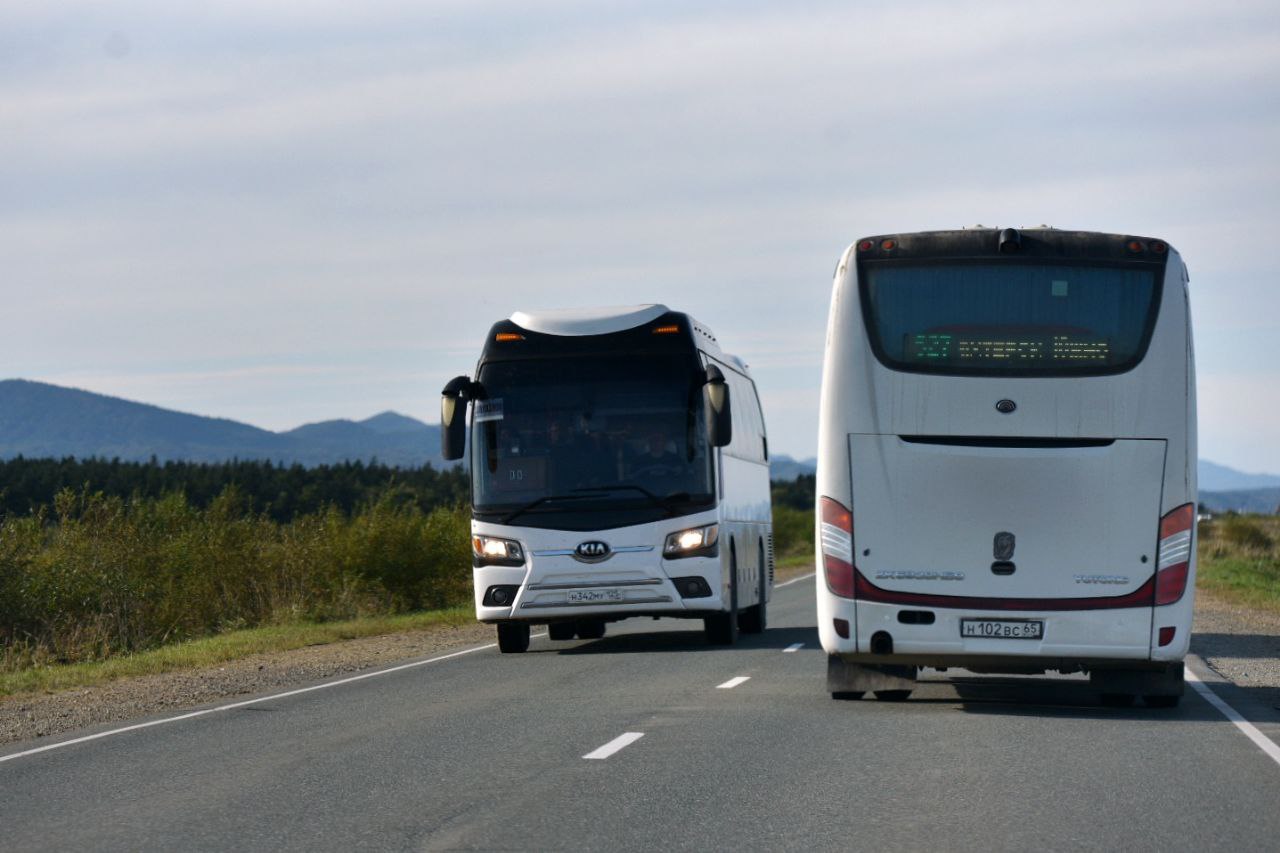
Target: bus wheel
x=756 y=617
x=1161 y=701
x=893 y=695
x=590 y=629
x=1118 y=700
x=722 y=628
x=513 y=637
x=561 y=630
x=847 y=695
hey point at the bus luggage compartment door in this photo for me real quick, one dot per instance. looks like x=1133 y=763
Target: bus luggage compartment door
x=998 y=520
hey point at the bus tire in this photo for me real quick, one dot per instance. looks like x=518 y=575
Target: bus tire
x=1161 y=701
x=756 y=617
x=893 y=695
x=590 y=629
x=1117 y=700
x=513 y=637
x=722 y=628
x=847 y=695
x=561 y=630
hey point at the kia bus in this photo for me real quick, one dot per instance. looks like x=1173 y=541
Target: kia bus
x=619 y=468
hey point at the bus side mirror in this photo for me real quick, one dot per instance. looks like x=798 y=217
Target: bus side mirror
x=715 y=408
x=453 y=417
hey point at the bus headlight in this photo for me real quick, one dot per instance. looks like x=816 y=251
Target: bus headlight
x=694 y=542
x=492 y=551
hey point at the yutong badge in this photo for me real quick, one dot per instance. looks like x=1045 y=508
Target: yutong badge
x=592 y=551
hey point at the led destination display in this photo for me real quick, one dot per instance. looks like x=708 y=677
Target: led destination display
x=995 y=349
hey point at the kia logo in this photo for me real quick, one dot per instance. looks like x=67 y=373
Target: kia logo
x=592 y=551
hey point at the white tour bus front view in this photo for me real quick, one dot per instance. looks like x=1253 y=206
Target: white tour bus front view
x=619 y=467
x=1007 y=461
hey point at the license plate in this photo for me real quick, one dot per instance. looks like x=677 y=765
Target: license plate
x=590 y=596
x=1003 y=629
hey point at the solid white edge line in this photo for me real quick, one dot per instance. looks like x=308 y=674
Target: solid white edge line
x=733 y=682
x=794 y=647
x=794 y=580
x=623 y=740
x=1264 y=743
x=232 y=706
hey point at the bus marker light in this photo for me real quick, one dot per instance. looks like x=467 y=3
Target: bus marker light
x=666 y=330
x=1166 y=635
x=1135 y=246
x=507 y=336
x=1158 y=246
x=866 y=246
x=888 y=244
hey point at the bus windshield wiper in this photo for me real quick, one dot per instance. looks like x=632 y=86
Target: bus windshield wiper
x=539 y=502
x=666 y=502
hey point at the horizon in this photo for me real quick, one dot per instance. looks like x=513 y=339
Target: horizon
x=782 y=454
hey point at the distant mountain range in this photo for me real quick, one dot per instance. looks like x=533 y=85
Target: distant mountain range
x=40 y=420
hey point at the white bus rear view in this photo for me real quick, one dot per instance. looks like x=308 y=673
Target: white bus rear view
x=619 y=468
x=1007 y=461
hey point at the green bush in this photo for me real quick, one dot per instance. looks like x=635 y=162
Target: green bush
x=100 y=576
x=1242 y=532
x=792 y=531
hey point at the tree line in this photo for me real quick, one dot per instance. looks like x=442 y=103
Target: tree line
x=279 y=492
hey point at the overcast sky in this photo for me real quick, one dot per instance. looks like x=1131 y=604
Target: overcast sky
x=287 y=212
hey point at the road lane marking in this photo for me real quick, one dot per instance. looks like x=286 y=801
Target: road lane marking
x=232 y=706
x=794 y=580
x=621 y=741
x=1263 y=742
x=794 y=647
x=733 y=682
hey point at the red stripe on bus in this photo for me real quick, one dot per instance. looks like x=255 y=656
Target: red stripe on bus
x=865 y=590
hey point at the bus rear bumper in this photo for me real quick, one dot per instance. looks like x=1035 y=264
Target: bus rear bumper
x=1067 y=639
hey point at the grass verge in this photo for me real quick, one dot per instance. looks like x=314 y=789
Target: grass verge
x=1251 y=582
x=221 y=648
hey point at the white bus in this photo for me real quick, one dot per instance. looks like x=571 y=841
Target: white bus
x=619 y=467
x=1007 y=461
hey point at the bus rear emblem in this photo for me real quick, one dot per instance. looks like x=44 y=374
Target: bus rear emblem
x=592 y=551
x=1004 y=545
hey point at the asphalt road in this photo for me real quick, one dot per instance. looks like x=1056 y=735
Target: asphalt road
x=486 y=751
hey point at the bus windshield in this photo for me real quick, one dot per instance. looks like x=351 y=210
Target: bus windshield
x=1009 y=318
x=589 y=443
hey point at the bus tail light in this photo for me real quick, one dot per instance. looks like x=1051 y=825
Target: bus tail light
x=1173 y=560
x=837 y=546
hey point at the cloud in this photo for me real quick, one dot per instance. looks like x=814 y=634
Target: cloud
x=373 y=186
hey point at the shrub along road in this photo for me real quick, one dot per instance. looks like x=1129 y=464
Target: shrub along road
x=649 y=738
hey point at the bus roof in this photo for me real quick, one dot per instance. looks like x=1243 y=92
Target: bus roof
x=1042 y=243
x=567 y=331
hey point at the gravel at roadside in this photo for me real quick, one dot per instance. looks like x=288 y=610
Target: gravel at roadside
x=27 y=717
x=1241 y=644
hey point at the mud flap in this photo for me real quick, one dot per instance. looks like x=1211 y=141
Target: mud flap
x=845 y=677
x=1163 y=681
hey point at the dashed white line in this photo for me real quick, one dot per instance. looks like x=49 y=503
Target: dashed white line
x=623 y=740
x=1264 y=743
x=733 y=682
x=794 y=647
x=233 y=705
x=793 y=580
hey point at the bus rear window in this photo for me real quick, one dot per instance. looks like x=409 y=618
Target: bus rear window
x=1009 y=318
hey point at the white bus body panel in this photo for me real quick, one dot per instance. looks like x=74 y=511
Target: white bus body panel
x=934 y=507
